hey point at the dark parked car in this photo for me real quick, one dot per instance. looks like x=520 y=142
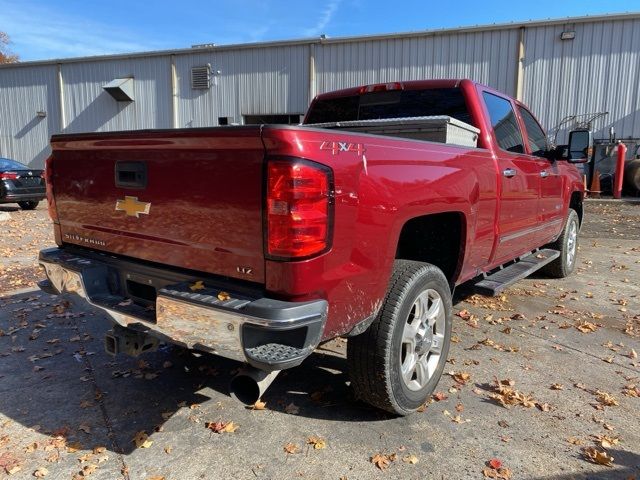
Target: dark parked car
x=20 y=184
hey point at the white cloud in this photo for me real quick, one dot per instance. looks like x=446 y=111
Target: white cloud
x=41 y=33
x=324 y=19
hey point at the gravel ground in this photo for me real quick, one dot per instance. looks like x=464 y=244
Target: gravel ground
x=563 y=351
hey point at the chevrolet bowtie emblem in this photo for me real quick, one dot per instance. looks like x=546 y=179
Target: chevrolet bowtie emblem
x=132 y=207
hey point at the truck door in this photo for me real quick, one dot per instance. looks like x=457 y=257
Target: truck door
x=550 y=208
x=519 y=179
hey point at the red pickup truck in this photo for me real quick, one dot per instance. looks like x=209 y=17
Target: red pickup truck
x=258 y=243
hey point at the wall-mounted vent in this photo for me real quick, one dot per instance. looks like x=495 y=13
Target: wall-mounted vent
x=121 y=89
x=200 y=77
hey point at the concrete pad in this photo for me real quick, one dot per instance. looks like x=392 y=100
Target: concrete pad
x=56 y=379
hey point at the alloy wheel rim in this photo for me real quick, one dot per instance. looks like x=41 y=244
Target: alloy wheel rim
x=422 y=340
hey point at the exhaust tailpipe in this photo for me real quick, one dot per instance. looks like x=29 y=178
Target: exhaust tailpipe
x=250 y=384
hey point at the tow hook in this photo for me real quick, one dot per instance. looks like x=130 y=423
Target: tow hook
x=124 y=340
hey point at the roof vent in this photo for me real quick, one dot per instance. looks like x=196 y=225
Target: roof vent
x=121 y=89
x=200 y=77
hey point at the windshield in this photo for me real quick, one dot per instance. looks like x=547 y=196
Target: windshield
x=6 y=164
x=391 y=104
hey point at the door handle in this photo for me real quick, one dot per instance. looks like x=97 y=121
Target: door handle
x=544 y=174
x=509 y=172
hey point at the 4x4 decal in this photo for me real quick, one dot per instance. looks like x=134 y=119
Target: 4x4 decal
x=338 y=147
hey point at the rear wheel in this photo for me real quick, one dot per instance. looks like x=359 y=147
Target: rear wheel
x=397 y=362
x=28 y=205
x=567 y=245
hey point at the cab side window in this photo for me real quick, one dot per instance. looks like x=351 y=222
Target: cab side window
x=537 y=138
x=504 y=123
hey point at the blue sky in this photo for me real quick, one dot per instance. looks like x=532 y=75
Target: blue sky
x=42 y=29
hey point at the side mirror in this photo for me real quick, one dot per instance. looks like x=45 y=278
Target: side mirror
x=580 y=146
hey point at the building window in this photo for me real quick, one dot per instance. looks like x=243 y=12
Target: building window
x=223 y=120
x=287 y=119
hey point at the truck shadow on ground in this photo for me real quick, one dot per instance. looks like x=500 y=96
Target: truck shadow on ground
x=59 y=381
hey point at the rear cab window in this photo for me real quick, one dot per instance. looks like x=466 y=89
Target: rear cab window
x=391 y=104
x=504 y=123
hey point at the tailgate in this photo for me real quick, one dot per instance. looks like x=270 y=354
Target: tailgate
x=186 y=198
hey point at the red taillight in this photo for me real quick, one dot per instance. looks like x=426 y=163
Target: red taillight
x=299 y=208
x=48 y=178
x=8 y=176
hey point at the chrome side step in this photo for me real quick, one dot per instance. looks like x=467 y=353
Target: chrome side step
x=493 y=284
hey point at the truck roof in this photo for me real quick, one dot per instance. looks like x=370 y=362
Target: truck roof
x=407 y=85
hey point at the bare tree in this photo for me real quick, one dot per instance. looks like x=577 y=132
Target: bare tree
x=6 y=56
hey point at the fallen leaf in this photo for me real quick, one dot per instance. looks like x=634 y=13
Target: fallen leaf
x=494 y=463
x=507 y=396
x=440 y=396
x=74 y=447
x=501 y=474
x=586 y=327
x=556 y=386
x=291 y=448
x=32 y=447
x=575 y=441
x=545 y=407
x=317 y=442
x=141 y=440
x=597 y=456
x=606 y=399
x=461 y=377
x=259 y=405
x=382 y=461
x=412 y=459
x=14 y=469
x=292 y=409
x=41 y=472
x=223 y=296
x=605 y=441
x=199 y=285
x=222 y=427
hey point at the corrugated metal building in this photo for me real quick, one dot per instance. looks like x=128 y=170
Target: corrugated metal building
x=558 y=67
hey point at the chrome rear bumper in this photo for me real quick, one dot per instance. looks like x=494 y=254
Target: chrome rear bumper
x=241 y=325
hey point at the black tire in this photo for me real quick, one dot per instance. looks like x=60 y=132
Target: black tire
x=375 y=356
x=28 y=205
x=563 y=265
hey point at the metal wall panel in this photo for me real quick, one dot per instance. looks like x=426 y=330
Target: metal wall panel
x=24 y=91
x=88 y=108
x=488 y=57
x=598 y=71
x=272 y=80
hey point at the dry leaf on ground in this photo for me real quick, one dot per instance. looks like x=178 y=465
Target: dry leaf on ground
x=41 y=472
x=291 y=448
x=412 y=459
x=222 y=427
x=382 y=461
x=141 y=440
x=317 y=442
x=597 y=456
